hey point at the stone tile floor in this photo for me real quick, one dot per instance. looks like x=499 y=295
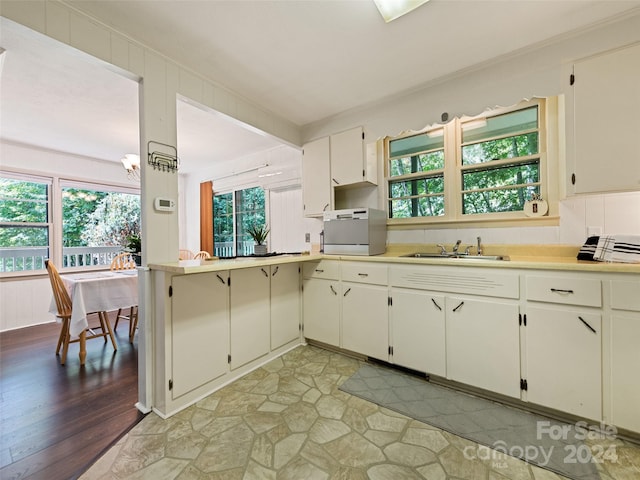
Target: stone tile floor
x=288 y=420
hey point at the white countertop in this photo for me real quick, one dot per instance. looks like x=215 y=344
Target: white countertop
x=560 y=257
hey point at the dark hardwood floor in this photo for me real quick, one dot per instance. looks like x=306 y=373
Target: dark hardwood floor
x=56 y=420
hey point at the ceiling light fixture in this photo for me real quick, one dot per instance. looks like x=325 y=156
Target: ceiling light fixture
x=392 y=9
x=131 y=163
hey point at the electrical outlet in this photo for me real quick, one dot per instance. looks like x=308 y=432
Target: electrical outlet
x=307 y=237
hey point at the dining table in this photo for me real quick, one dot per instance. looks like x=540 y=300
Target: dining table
x=92 y=292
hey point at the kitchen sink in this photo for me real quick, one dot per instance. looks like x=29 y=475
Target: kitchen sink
x=456 y=256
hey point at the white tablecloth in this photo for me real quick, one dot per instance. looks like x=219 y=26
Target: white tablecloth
x=98 y=292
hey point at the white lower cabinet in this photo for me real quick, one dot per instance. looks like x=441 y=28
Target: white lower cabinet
x=365 y=319
x=625 y=354
x=625 y=370
x=199 y=330
x=564 y=359
x=417 y=330
x=321 y=310
x=483 y=343
x=250 y=312
x=285 y=304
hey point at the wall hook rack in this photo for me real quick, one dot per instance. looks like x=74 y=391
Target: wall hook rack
x=163 y=157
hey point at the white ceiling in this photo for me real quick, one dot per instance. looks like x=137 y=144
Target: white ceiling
x=303 y=60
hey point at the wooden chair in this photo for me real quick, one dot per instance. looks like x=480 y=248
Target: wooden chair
x=63 y=305
x=184 y=254
x=125 y=261
x=202 y=254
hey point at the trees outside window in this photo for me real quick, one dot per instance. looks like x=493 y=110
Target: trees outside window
x=96 y=216
x=482 y=166
x=233 y=214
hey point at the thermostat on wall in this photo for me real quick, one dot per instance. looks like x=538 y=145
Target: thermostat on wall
x=164 y=204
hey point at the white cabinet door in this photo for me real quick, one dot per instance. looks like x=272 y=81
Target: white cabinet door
x=564 y=359
x=316 y=177
x=483 y=344
x=347 y=157
x=606 y=102
x=285 y=304
x=365 y=319
x=250 y=332
x=418 y=330
x=199 y=330
x=321 y=310
x=625 y=370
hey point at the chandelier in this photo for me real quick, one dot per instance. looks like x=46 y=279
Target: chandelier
x=131 y=163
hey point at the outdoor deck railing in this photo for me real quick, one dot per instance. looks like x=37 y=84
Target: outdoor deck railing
x=225 y=249
x=18 y=259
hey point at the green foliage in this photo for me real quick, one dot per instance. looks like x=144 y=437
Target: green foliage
x=487 y=186
x=23 y=202
x=77 y=206
x=249 y=213
x=134 y=243
x=89 y=218
x=115 y=218
x=223 y=218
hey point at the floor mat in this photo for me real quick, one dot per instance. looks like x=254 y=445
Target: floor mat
x=548 y=443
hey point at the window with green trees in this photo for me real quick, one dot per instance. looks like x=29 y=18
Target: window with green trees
x=24 y=223
x=233 y=214
x=486 y=165
x=96 y=221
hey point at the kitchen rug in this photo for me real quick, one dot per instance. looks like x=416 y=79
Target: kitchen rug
x=536 y=439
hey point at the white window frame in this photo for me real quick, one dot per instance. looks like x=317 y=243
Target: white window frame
x=549 y=114
x=233 y=191
x=54 y=215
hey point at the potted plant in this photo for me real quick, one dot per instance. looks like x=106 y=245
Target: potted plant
x=134 y=245
x=259 y=234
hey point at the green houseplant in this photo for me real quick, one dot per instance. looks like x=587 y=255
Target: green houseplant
x=134 y=245
x=259 y=234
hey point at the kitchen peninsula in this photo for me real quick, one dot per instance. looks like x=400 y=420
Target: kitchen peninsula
x=542 y=330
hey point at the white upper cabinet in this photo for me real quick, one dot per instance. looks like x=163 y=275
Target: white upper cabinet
x=317 y=194
x=606 y=101
x=352 y=160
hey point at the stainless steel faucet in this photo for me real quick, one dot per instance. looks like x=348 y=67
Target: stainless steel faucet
x=457 y=246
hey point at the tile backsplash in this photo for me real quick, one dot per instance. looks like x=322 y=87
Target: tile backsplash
x=580 y=216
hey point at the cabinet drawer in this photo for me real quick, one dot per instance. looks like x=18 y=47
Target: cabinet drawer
x=362 y=272
x=328 y=269
x=625 y=295
x=565 y=290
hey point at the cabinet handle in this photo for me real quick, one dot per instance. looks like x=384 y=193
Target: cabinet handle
x=437 y=306
x=587 y=325
x=333 y=290
x=275 y=271
x=363 y=274
x=559 y=290
x=456 y=309
x=265 y=273
x=345 y=293
x=318 y=270
x=220 y=278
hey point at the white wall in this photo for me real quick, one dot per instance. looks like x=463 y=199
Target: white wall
x=281 y=214
x=612 y=213
x=26 y=301
x=542 y=71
